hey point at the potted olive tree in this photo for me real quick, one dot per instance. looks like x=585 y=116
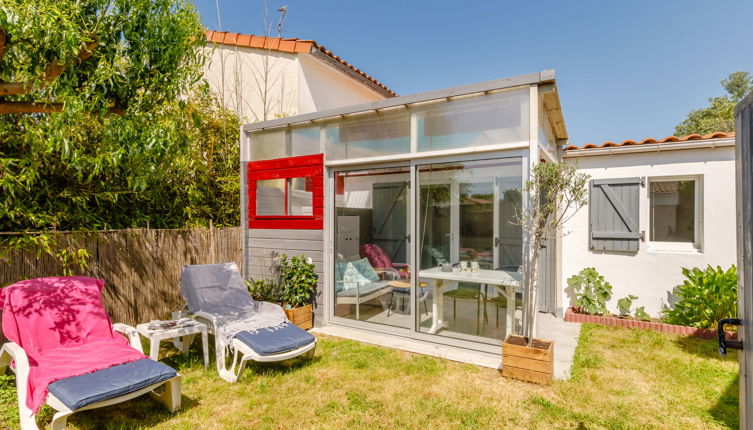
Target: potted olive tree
x=297 y=283
x=556 y=192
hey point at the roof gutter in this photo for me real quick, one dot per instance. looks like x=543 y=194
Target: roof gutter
x=650 y=147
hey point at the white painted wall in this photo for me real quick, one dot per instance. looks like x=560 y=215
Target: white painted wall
x=245 y=77
x=321 y=87
x=651 y=275
x=291 y=83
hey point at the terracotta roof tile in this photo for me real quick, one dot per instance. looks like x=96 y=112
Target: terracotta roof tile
x=717 y=135
x=287 y=45
x=292 y=45
x=231 y=38
x=257 y=41
x=244 y=40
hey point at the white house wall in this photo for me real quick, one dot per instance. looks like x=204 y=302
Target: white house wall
x=322 y=87
x=651 y=275
x=295 y=83
x=247 y=72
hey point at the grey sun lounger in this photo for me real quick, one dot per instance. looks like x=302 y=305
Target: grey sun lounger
x=215 y=294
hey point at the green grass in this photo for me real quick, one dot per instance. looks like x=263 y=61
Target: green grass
x=622 y=379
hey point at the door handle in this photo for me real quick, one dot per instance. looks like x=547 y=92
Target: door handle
x=727 y=343
x=496 y=241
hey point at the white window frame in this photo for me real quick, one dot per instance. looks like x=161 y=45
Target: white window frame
x=683 y=247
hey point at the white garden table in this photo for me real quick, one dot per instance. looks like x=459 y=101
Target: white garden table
x=504 y=282
x=182 y=337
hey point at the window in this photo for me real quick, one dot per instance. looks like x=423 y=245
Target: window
x=467 y=214
x=286 y=193
x=674 y=212
x=300 y=197
x=474 y=121
x=284 y=197
x=371 y=135
x=287 y=142
x=270 y=197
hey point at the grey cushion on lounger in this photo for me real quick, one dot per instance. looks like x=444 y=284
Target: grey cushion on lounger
x=215 y=288
x=270 y=342
x=79 y=391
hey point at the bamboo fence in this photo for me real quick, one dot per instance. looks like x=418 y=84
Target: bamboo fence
x=141 y=267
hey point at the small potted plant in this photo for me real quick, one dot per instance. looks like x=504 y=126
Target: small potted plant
x=297 y=283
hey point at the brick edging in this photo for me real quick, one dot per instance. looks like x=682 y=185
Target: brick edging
x=703 y=333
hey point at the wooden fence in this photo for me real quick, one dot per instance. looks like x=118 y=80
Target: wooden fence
x=141 y=268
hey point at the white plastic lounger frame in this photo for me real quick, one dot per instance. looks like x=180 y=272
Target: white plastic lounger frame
x=240 y=351
x=11 y=354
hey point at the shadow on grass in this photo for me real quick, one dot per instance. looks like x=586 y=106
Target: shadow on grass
x=726 y=409
x=280 y=367
x=706 y=348
x=194 y=359
x=141 y=412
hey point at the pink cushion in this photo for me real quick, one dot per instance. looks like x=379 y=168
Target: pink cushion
x=378 y=259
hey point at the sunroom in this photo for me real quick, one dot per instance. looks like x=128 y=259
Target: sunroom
x=409 y=207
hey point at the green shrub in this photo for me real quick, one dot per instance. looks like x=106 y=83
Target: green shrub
x=641 y=314
x=264 y=290
x=705 y=297
x=297 y=280
x=624 y=304
x=592 y=292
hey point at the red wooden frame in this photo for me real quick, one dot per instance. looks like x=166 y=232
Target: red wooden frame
x=310 y=167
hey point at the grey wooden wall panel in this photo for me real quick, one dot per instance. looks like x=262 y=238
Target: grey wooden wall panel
x=614 y=214
x=263 y=245
x=285 y=234
x=295 y=244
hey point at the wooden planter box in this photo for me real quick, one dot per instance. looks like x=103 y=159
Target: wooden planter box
x=303 y=316
x=531 y=364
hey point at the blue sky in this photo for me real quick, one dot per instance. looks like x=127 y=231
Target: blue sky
x=625 y=70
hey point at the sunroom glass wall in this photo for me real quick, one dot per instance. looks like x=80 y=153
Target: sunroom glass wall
x=468 y=228
x=372 y=272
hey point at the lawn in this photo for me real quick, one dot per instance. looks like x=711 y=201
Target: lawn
x=622 y=379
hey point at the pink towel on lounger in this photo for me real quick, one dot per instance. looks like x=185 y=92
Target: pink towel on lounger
x=62 y=325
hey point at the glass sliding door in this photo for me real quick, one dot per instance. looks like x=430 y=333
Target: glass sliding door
x=468 y=230
x=372 y=249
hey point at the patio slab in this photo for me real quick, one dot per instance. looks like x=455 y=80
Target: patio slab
x=564 y=334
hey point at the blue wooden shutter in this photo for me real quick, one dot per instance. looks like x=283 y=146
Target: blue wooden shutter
x=614 y=211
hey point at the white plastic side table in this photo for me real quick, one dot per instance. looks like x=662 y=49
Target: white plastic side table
x=187 y=333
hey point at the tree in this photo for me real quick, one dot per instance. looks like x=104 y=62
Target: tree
x=111 y=127
x=121 y=113
x=206 y=185
x=719 y=115
x=556 y=192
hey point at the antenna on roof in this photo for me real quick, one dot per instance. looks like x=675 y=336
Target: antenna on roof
x=284 y=10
